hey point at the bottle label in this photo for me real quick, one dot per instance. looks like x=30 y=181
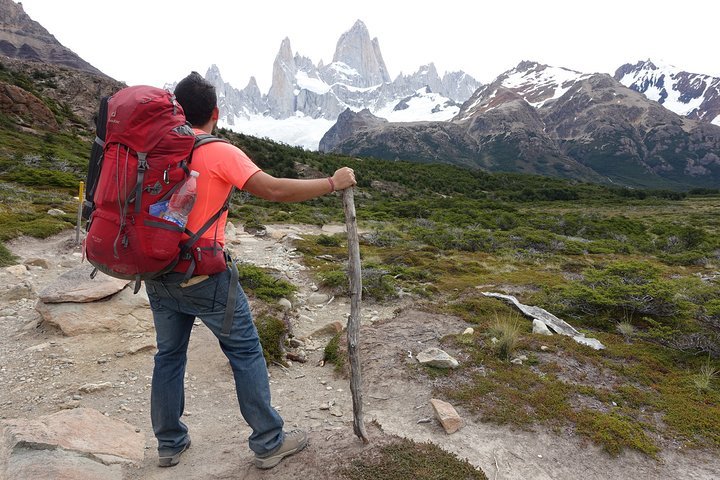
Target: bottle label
x=159 y=208
x=176 y=221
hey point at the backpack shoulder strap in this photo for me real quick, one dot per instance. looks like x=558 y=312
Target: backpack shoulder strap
x=205 y=138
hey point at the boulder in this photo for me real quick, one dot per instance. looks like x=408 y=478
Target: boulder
x=76 y=286
x=123 y=312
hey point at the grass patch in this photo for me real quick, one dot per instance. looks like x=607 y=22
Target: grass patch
x=703 y=380
x=506 y=332
x=408 y=460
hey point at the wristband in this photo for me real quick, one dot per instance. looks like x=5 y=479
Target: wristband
x=332 y=184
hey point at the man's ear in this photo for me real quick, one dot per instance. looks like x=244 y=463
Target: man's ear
x=215 y=114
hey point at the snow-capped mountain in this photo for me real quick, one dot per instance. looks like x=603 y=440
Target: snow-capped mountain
x=692 y=95
x=549 y=121
x=311 y=97
x=537 y=84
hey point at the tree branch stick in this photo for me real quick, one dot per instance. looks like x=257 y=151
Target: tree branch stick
x=353 y=325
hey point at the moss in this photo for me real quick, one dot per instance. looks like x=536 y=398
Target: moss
x=614 y=432
x=408 y=460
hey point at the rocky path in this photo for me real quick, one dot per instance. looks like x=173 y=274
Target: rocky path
x=52 y=378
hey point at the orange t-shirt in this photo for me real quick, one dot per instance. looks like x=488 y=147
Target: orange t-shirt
x=220 y=165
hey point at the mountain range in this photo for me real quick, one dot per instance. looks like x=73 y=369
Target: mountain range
x=552 y=121
x=648 y=125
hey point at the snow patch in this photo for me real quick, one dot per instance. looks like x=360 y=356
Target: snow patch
x=422 y=106
x=314 y=85
x=298 y=131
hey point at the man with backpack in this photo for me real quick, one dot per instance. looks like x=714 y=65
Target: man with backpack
x=176 y=299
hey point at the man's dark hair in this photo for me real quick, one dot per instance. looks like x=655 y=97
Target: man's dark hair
x=197 y=98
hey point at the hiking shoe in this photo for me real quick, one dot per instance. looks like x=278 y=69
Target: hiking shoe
x=293 y=442
x=172 y=459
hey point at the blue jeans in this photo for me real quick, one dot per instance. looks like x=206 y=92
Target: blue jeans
x=174 y=310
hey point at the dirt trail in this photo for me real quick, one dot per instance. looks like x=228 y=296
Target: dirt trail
x=41 y=371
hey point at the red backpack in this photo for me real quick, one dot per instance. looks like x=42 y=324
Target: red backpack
x=144 y=159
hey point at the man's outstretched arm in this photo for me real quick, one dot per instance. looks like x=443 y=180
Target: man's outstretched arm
x=297 y=190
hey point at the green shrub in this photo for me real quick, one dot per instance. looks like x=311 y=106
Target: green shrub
x=263 y=285
x=614 y=432
x=335 y=279
x=336 y=351
x=625 y=290
x=329 y=240
x=407 y=460
x=377 y=284
x=6 y=257
x=272 y=332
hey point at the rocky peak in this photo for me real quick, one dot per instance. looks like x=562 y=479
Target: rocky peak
x=355 y=50
x=281 y=96
x=23 y=38
x=539 y=84
x=349 y=123
x=459 y=85
x=693 y=95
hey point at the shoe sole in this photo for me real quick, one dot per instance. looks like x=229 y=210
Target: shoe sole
x=174 y=459
x=271 y=461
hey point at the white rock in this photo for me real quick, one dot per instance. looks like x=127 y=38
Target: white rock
x=435 y=357
x=17 y=270
x=469 y=331
x=540 y=328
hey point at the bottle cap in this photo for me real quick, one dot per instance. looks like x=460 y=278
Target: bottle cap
x=194 y=173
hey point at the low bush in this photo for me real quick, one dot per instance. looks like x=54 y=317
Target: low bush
x=263 y=285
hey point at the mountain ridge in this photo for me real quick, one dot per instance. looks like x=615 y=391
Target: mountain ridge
x=584 y=127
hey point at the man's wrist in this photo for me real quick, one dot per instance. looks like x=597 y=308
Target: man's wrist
x=332 y=184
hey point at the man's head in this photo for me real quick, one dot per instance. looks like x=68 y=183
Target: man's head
x=197 y=98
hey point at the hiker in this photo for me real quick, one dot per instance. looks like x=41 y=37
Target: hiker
x=176 y=302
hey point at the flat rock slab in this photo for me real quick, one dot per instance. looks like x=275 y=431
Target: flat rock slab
x=76 y=286
x=70 y=444
x=124 y=312
x=57 y=465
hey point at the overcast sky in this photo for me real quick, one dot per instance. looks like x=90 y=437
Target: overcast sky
x=160 y=41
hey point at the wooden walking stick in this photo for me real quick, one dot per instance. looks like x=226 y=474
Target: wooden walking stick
x=353 y=325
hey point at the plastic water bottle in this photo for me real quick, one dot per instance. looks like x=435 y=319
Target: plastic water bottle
x=182 y=201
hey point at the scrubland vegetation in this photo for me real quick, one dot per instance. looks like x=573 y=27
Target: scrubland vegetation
x=636 y=269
